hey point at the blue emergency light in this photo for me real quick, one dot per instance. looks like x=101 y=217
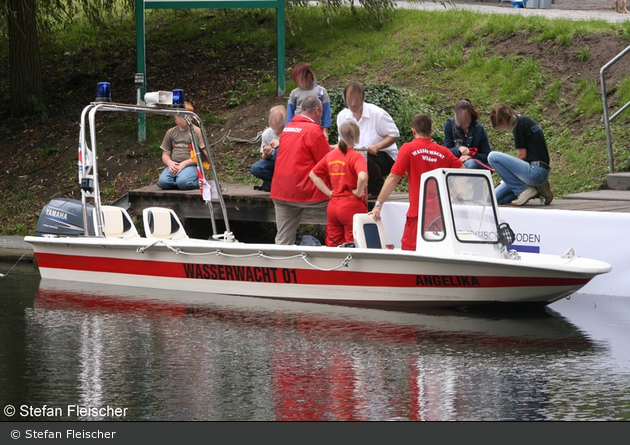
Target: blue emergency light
x=178 y=98
x=103 y=92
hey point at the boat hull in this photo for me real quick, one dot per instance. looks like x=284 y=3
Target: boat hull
x=366 y=277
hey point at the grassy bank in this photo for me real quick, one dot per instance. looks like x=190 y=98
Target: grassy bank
x=442 y=56
x=422 y=61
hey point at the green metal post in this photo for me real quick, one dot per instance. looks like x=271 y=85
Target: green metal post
x=280 y=48
x=141 y=65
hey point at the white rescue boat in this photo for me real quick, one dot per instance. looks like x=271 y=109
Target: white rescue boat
x=462 y=257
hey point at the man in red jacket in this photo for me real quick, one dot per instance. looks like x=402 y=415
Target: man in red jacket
x=302 y=145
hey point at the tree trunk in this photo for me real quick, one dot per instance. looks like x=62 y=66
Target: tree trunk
x=25 y=74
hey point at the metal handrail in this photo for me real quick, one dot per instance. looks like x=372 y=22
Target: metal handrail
x=88 y=156
x=607 y=120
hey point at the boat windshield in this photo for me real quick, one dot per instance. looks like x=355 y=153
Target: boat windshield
x=474 y=214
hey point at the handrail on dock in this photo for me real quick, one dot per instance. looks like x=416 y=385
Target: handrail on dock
x=607 y=120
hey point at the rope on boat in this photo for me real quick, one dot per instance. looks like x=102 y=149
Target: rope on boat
x=227 y=138
x=143 y=249
x=344 y=263
x=2 y=275
x=259 y=254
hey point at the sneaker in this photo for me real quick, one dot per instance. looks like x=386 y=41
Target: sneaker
x=545 y=193
x=525 y=196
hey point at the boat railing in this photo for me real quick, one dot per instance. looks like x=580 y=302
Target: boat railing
x=87 y=162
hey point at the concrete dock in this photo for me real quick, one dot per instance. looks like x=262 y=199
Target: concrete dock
x=13 y=248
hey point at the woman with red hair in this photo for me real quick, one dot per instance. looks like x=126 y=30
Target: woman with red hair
x=304 y=77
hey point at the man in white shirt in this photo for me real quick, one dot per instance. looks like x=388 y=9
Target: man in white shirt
x=378 y=135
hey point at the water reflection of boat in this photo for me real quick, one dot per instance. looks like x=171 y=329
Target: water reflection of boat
x=462 y=256
x=491 y=329
x=240 y=358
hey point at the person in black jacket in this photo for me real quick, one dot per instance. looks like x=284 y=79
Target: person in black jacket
x=525 y=176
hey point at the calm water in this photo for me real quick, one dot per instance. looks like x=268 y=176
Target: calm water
x=129 y=354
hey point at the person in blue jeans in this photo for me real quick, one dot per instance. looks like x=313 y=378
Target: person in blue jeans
x=525 y=176
x=466 y=137
x=181 y=170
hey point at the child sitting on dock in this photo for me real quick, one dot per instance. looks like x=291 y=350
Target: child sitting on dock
x=181 y=170
x=270 y=140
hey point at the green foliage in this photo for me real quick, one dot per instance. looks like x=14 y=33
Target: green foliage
x=38 y=109
x=589 y=100
x=233 y=97
x=230 y=164
x=57 y=15
x=244 y=92
x=583 y=54
x=624 y=29
x=18 y=218
x=513 y=79
x=553 y=91
x=375 y=11
x=48 y=151
x=470 y=38
x=441 y=58
x=623 y=91
x=108 y=191
x=564 y=39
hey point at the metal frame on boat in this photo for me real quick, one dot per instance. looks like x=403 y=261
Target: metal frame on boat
x=462 y=257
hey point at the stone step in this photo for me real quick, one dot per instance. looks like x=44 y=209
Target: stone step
x=601 y=195
x=618 y=181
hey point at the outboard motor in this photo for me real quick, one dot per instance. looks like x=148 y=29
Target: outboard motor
x=64 y=217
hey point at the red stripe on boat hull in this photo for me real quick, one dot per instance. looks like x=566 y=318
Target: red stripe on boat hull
x=262 y=274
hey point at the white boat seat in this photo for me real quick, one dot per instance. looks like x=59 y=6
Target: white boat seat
x=116 y=223
x=162 y=223
x=368 y=233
